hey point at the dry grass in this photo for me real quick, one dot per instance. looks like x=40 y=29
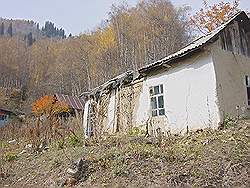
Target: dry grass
x=208 y=158
x=211 y=158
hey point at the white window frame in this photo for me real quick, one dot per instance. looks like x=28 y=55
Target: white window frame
x=247 y=81
x=158 y=111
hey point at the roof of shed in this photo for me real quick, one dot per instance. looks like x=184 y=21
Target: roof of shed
x=194 y=46
x=16 y=112
x=72 y=101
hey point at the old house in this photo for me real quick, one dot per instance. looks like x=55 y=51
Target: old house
x=75 y=104
x=7 y=116
x=194 y=88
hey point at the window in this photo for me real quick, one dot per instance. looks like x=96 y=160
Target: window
x=3 y=117
x=248 y=89
x=157 y=100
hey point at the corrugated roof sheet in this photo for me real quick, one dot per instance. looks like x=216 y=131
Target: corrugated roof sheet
x=72 y=101
x=11 y=111
x=196 y=44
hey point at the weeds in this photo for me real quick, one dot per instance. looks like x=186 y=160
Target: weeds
x=10 y=156
x=214 y=158
x=198 y=159
x=75 y=141
x=56 y=163
x=60 y=144
x=136 y=131
x=228 y=122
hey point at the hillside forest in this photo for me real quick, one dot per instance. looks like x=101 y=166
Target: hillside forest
x=36 y=61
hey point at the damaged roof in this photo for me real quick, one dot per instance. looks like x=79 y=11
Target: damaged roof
x=72 y=101
x=194 y=46
x=116 y=82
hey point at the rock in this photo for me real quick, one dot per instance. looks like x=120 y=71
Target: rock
x=12 y=141
x=28 y=146
x=45 y=149
x=78 y=169
x=206 y=142
x=72 y=171
x=231 y=139
x=76 y=172
x=3 y=175
x=41 y=146
x=70 y=182
x=22 y=152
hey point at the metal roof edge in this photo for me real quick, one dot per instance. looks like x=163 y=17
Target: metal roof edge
x=192 y=46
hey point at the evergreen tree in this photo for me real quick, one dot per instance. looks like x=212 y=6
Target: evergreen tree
x=30 y=39
x=10 y=30
x=2 y=29
x=50 y=30
x=62 y=33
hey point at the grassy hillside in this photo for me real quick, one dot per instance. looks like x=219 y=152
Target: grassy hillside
x=211 y=158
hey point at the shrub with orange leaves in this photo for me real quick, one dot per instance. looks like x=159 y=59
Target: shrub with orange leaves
x=210 y=17
x=48 y=105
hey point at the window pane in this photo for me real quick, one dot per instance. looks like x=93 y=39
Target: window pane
x=160 y=102
x=162 y=112
x=247 y=80
x=248 y=93
x=156 y=90
x=161 y=88
x=154 y=113
x=151 y=91
x=153 y=103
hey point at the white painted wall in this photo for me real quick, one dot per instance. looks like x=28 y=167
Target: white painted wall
x=231 y=69
x=85 y=115
x=189 y=96
x=111 y=112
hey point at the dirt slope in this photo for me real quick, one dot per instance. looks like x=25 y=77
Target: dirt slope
x=207 y=158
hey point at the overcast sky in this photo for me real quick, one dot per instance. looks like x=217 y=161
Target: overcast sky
x=75 y=16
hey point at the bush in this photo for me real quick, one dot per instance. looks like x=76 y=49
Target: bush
x=120 y=170
x=75 y=141
x=60 y=144
x=228 y=122
x=10 y=156
x=136 y=131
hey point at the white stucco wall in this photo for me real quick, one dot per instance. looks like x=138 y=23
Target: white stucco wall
x=111 y=112
x=85 y=115
x=231 y=69
x=189 y=96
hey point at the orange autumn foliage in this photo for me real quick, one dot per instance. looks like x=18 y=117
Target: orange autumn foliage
x=48 y=105
x=210 y=17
